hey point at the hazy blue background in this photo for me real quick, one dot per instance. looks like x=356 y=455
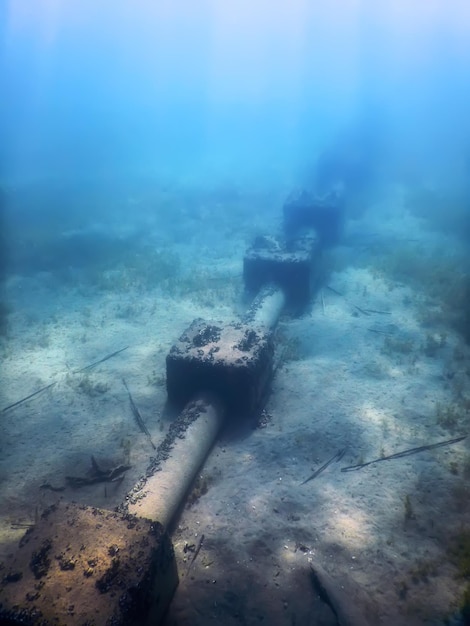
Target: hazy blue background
x=112 y=87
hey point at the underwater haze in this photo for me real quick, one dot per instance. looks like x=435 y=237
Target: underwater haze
x=115 y=88
x=160 y=162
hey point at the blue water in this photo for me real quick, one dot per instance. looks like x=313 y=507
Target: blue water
x=128 y=127
x=104 y=101
x=208 y=88
x=143 y=146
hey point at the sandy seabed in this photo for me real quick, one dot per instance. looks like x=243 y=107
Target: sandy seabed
x=373 y=383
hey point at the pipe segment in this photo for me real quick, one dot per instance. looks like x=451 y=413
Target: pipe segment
x=179 y=458
x=267 y=307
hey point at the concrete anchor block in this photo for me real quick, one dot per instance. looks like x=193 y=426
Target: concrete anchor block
x=81 y=565
x=325 y=215
x=234 y=361
x=294 y=268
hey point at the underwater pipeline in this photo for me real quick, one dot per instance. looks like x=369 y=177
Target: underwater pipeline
x=80 y=564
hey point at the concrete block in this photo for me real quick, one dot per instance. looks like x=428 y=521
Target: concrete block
x=294 y=268
x=234 y=361
x=85 y=566
x=304 y=210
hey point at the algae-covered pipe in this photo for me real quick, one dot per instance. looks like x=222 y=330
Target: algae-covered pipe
x=179 y=457
x=267 y=307
x=159 y=494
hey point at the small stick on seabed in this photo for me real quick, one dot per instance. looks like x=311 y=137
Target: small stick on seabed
x=337 y=457
x=322 y=301
x=105 y=358
x=98 y=475
x=334 y=290
x=363 y=311
x=379 y=312
x=21 y=525
x=399 y=455
x=380 y=332
x=138 y=416
x=31 y=395
x=196 y=552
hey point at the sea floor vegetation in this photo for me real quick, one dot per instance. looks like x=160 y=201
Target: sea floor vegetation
x=376 y=367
